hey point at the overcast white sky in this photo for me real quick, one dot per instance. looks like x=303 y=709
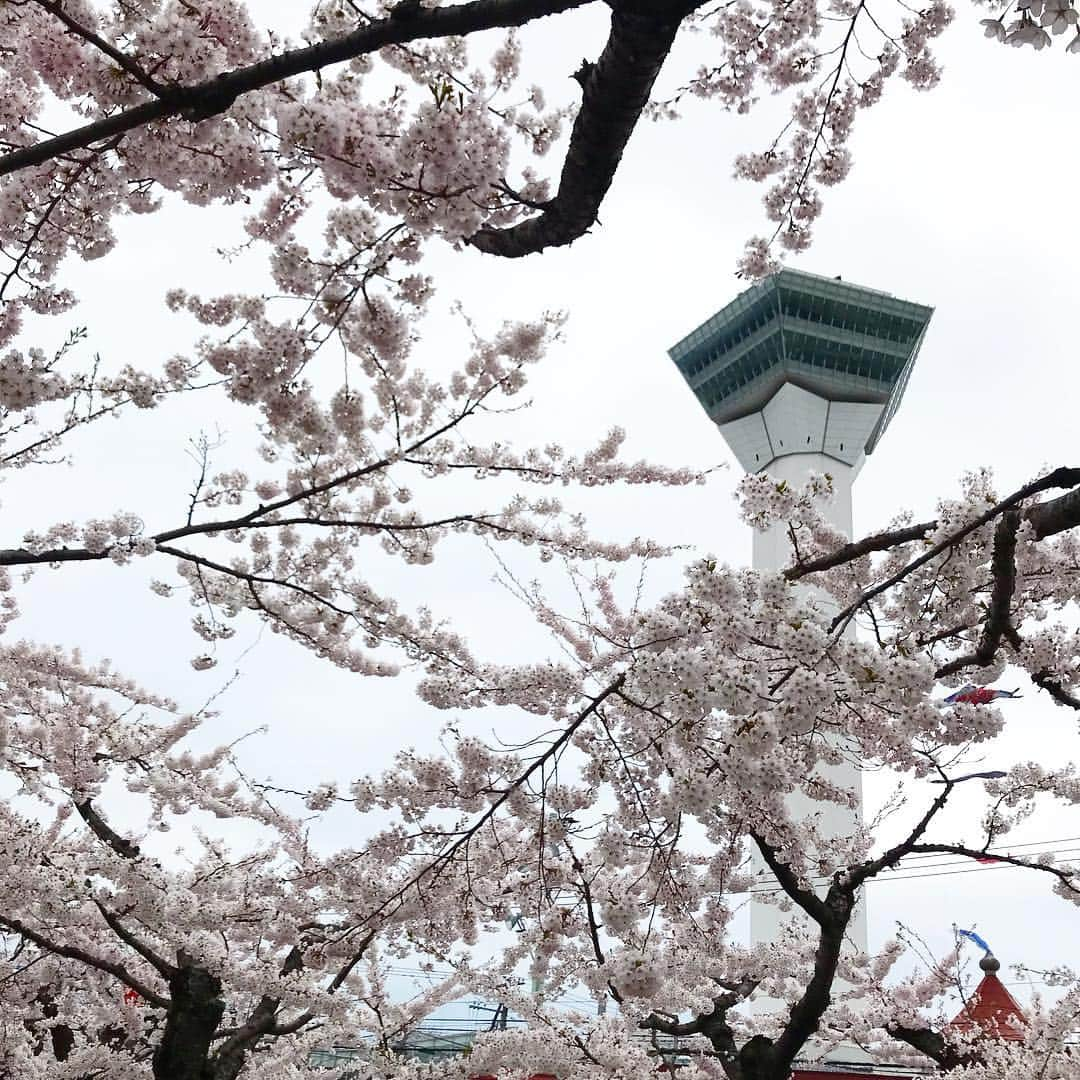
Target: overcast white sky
x=961 y=199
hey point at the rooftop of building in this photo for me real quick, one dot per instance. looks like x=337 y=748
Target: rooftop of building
x=991 y=1009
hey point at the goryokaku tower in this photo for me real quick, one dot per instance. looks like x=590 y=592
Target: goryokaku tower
x=802 y=375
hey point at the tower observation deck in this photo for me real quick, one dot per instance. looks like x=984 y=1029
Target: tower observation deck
x=801 y=364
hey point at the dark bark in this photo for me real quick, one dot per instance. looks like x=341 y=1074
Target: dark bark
x=230 y=1057
x=190 y=1026
x=1003 y=570
x=806 y=1013
x=123 y=847
x=1055 y=515
x=71 y=952
x=615 y=91
x=883 y=541
x=932 y=1045
x=1065 y=876
x=762 y=1058
x=1045 y=680
x=806 y=898
x=712 y=1025
x=1047 y=519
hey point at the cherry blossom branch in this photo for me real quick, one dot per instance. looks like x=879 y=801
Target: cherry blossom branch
x=123 y=847
x=1044 y=679
x=1047 y=519
x=883 y=541
x=1055 y=515
x=807 y=899
x=832 y=915
x=162 y=540
x=1060 y=478
x=1066 y=877
x=116 y=55
x=346 y=969
x=67 y=183
x=787 y=214
x=464 y=838
x=132 y=942
x=230 y=1056
x=262 y=515
x=212 y=97
x=73 y=952
x=933 y=1045
x=895 y=854
x=713 y=1025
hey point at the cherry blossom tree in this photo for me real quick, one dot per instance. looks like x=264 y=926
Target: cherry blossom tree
x=109 y=107
x=617 y=842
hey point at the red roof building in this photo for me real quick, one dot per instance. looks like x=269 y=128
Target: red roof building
x=991 y=1008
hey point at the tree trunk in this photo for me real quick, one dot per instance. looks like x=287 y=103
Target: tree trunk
x=193 y=1019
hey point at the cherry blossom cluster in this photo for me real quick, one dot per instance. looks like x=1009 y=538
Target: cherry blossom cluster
x=831 y=74
x=43 y=396
x=1033 y=24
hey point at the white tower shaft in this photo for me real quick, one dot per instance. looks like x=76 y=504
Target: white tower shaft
x=772 y=551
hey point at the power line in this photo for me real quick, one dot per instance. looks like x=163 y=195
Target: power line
x=919 y=856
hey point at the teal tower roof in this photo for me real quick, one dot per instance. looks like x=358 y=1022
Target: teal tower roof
x=803 y=364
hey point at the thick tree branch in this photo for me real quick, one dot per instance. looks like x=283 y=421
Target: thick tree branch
x=214 y=96
x=228 y=1061
x=615 y=91
x=883 y=541
x=1055 y=515
x=713 y=1025
x=1044 y=679
x=806 y=898
x=1003 y=571
x=888 y=859
x=1059 y=478
x=192 y=1021
x=806 y=1013
x=132 y=942
x=1046 y=518
x=835 y=915
x=123 y=847
x=932 y=1045
x=73 y=952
